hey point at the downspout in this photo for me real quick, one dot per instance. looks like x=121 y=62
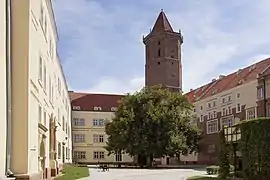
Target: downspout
x=8 y=88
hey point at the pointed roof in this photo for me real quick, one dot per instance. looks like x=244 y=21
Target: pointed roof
x=162 y=23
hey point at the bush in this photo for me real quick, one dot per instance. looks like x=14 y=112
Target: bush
x=239 y=174
x=212 y=169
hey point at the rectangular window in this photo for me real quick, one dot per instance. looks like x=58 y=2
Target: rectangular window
x=223 y=112
x=39 y=114
x=260 y=93
x=229 y=98
x=215 y=114
x=63 y=123
x=59 y=150
x=45 y=78
x=238 y=95
x=118 y=157
x=99 y=154
x=223 y=100
x=79 y=137
x=238 y=108
x=98 y=138
x=229 y=110
x=251 y=114
x=211 y=148
x=78 y=121
x=40 y=69
x=98 y=122
x=212 y=126
x=209 y=105
x=79 y=155
x=214 y=103
x=227 y=121
x=44 y=118
x=201 y=118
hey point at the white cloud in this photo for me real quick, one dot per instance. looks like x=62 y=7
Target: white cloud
x=217 y=40
x=109 y=85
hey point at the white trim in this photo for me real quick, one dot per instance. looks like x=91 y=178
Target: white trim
x=211 y=121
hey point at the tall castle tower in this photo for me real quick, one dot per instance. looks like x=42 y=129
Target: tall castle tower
x=163 y=55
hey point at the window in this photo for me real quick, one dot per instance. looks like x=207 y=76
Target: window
x=79 y=154
x=238 y=95
x=209 y=116
x=201 y=107
x=214 y=103
x=78 y=121
x=39 y=114
x=201 y=118
x=260 y=93
x=229 y=98
x=59 y=150
x=229 y=110
x=41 y=15
x=251 y=114
x=66 y=153
x=79 y=137
x=238 y=108
x=209 y=105
x=118 y=157
x=98 y=138
x=45 y=26
x=215 y=114
x=212 y=126
x=227 y=121
x=45 y=118
x=45 y=80
x=99 y=154
x=40 y=69
x=223 y=100
x=158 y=52
x=63 y=123
x=98 y=122
x=158 y=42
x=97 y=108
x=223 y=111
x=113 y=108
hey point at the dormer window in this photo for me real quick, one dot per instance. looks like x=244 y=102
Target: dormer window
x=113 y=108
x=76 y=108
x=96 y=108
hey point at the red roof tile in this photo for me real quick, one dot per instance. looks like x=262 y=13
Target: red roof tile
x=230 y=81
x=87 y=101
x=162 y=24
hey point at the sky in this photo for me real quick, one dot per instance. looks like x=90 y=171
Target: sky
x=101 y=49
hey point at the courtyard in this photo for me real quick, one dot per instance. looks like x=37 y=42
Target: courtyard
x=143 y=174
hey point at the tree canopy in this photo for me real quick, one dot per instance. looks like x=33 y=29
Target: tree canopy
x=153 y=122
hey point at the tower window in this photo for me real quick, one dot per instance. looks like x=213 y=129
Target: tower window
x=172 y=63
x=172 y=56
x=158 y=63
x=158 y=42
x=158 y=52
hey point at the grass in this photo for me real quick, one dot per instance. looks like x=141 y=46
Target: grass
x=72 y=172
x=203 y=178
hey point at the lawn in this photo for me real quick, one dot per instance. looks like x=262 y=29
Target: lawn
x=72 y=172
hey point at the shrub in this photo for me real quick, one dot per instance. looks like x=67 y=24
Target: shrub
x=212 y=169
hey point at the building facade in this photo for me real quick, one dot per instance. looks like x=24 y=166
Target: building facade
x=41 y=112
x=163 y=55
x=3 y=92
x=224 y=102
x=90 y=112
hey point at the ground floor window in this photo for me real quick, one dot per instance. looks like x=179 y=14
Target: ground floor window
x=99 y=154
x=227 y=121
x=212 y=126
x=251 y=113
x=79 y=155
x=118 y=157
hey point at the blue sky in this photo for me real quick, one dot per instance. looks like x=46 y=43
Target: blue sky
x=101 y=47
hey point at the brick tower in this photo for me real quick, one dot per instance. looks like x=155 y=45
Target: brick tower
x=163 y=55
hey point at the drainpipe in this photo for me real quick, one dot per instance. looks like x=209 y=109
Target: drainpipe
x=8 y=88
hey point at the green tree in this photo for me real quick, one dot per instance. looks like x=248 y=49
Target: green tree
x=224 y=165
x=152 y=123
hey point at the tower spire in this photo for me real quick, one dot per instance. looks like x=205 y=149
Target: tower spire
x=162 y=24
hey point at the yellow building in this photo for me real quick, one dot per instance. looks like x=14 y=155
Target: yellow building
x=40 y=110
x=89 y=114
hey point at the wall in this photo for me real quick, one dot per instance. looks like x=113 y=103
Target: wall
x=3 y=114
x=89 y=146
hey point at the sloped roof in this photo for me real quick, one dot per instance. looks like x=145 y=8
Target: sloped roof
x=162 y=24
x=88 y=101
x=230 y=81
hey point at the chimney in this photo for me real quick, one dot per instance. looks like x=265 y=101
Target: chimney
x=213 y=80
x=221 y=76
x=191 y=90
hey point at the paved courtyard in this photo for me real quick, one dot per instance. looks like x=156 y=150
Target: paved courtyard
x=143 y=174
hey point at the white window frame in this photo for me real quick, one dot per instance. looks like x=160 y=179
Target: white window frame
x=230 y=123
x=79 y=138
x=238 y=105
x=79 y=121
x=80 y=154
x=251 y=116
x=201 y=118
x=210 y=122
x=238 y=97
